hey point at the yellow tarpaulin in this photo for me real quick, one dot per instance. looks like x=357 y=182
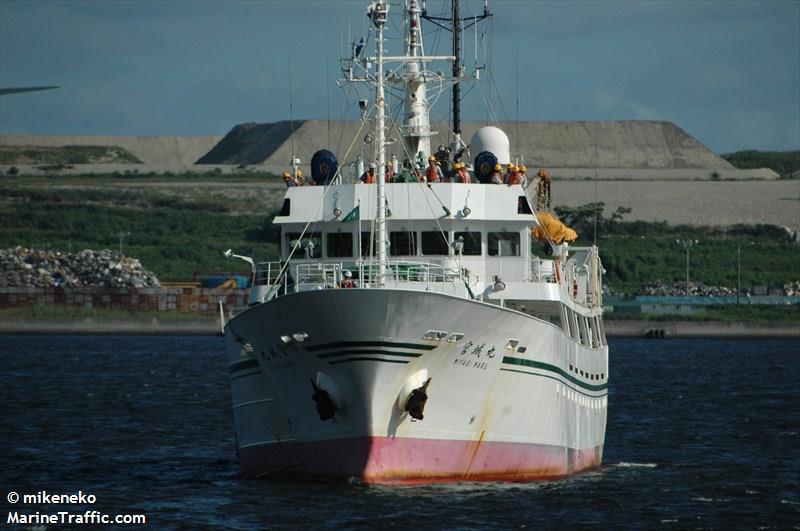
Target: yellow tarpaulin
x=550 y=227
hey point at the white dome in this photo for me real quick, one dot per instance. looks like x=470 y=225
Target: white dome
x=492 y=139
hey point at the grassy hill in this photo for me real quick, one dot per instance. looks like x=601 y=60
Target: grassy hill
x=781 y=162
x=66 y=155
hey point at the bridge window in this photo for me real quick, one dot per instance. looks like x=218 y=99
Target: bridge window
x=402 y=243
x=435 y=242
x=523 y=206
x=504 y=244
x=368 y=247
x=286 y=208
x=340 y=244
x=309 y=247
x=472 y=243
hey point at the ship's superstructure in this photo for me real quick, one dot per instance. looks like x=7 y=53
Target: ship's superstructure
x=410 y=331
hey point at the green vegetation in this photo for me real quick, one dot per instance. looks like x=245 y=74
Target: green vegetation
x=637 y=253
x=63 y=155
x=755 y=313
x=181 y=225
x=173 y=237
x=781 y=162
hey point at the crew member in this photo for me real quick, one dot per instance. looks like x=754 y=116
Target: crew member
x=287 y=178
x=407 y=175
x=514 y=176
x=389 y=175
x=497 y=175
x=347 y=280
x=523 y=177
x=462 y=174
x=434 y=172
x=369 y=176
x=509 y=172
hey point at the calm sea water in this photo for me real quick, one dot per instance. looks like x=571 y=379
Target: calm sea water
x=701 y=434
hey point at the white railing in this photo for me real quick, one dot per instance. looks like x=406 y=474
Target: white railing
x=270 y=282
x=319 y=275
x=583 y=277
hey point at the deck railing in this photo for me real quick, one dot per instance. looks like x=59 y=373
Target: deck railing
x=327 y=275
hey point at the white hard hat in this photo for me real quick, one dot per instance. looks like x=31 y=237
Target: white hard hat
x=348 y=274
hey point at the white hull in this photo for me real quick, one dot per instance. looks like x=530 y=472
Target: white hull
x=526 y=410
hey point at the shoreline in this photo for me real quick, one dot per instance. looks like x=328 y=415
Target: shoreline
x=210 y=326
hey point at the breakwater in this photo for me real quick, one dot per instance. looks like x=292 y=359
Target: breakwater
x=190 y=300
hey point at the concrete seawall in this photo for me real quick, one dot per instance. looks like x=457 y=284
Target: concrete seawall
x=701 y=329
x=204 y=326
x=211 y=326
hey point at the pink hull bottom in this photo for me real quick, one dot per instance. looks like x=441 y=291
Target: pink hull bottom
x=404 y=460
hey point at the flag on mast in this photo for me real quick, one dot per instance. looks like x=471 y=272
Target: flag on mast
x=353 y=214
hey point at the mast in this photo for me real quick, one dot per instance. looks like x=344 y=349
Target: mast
x=378 y=14
x=456 y=74
x=416 y=122
x=456 y=24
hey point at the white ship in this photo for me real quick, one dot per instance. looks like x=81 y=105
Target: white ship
x=456 y=353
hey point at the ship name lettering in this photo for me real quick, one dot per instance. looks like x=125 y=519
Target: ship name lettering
x=478 y=350
x=471 y=364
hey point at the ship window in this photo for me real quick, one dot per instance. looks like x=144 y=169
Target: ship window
x=310 y=246
x=512 y=344
x=522 y=349
x=595 y=332
x=573 y=324
x=472 y=242
x=576 y=334
x=523 y=206
x=455 y=337
x=571 y=368
x=435 y=242
x=340 y=244
x=601 y=327
x=504 y=244
x=368 y=247
x=582 y=329
x=402 y=244
x=286 y=208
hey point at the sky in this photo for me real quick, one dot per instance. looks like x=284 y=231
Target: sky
x=727 y=72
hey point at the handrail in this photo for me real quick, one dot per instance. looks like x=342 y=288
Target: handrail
x=327 y=275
